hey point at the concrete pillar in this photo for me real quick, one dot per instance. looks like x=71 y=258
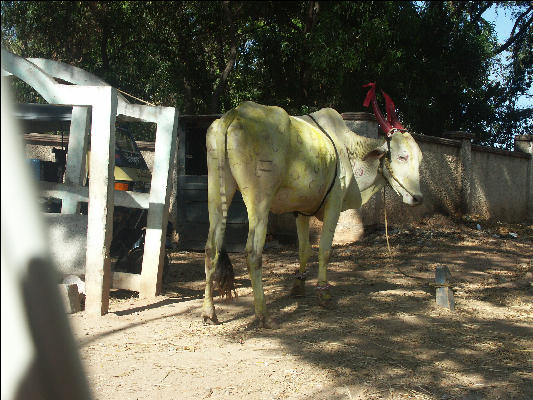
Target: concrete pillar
x=362 y=123
x=154 y=247
x=524 y=144
x=101 y=201
x=466 y=168
x=77 y=153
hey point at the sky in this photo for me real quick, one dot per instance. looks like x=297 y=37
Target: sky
x=504 y=25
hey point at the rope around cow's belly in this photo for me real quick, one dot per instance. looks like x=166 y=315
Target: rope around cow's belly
x=334 y=176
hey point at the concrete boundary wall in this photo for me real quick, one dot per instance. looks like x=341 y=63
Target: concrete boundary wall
x=457 y=178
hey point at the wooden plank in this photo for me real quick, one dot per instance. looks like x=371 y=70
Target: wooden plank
x=156 y=227
x=122 y=198
x=77 y=153
x=101 y=200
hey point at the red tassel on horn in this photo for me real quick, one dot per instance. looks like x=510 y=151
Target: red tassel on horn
x=371 y=98
x=371 y=95
x=391 y=112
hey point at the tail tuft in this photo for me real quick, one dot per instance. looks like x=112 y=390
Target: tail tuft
x=224 y=277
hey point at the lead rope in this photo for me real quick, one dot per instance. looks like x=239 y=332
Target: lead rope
x=385 y=213
x=387 y=236
x=334 y=176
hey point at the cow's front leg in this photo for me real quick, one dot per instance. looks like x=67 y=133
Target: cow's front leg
x=331 y=216
x=304 y=252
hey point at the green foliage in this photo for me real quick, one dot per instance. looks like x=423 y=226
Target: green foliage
x=433 y=58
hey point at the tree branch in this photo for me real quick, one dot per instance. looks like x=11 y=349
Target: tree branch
x=521 y=32
x=480 y=12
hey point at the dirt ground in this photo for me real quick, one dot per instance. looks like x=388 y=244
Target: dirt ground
x=385 y=339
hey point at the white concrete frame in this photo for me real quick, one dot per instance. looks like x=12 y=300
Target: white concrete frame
x=96 y=104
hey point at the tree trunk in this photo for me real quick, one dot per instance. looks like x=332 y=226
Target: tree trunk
x=229 y=20
x=310 y=22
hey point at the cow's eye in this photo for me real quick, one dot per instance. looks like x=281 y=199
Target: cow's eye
x=403 y=158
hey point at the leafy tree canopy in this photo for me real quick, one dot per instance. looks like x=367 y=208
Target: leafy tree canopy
x=434 y=58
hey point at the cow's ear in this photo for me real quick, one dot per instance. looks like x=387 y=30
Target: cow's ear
x=374 y=155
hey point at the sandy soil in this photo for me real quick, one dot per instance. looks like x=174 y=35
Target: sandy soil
x=386 y=338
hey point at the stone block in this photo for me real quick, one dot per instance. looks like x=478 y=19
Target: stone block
x=445 y=298
x=444 y=294
x=71 y=298
x=76 y=280
x=442 y=275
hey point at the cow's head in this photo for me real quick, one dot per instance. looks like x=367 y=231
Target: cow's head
x=401 y=158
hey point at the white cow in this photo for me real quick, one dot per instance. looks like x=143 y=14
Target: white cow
x=310 y=165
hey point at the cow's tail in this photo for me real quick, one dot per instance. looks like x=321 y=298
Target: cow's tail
x=224 y=276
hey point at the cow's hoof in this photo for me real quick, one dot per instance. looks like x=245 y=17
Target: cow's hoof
x=325 y=299
x=329 y=304
x=267 y=323
x=210 y=318
x=298 y=288
x=210 y=321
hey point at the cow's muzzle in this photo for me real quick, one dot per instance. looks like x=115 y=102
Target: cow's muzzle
x=413 y=199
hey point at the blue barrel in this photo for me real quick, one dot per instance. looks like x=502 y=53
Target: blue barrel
x=35 y=165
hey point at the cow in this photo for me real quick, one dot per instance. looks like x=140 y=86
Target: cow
x=311 y=165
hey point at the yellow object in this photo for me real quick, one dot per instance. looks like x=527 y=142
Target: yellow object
x=126 y=173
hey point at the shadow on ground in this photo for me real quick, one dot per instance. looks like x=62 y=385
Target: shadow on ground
x=387 y=338
x=387 y=335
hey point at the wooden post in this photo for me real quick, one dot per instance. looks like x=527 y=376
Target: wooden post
x=101 y=201
x=42 y=357
x=77 y=153
x=444 y=294
x=156 y=224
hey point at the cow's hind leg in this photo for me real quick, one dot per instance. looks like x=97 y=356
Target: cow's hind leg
x=304 y=252
x=258 y=221
x=214 y=251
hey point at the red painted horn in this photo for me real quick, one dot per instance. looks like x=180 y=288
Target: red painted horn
x=391 y=112
x=371 y=98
